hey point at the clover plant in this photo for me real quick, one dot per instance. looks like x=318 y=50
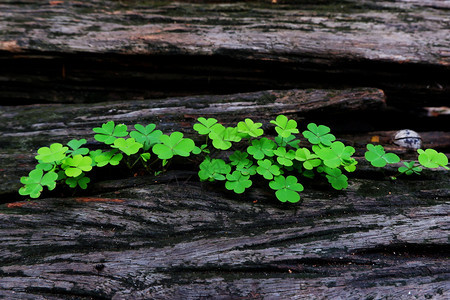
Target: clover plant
x=279 y=161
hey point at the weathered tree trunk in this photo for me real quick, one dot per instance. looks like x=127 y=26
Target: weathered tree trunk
x=133 y=236
x=64 y=51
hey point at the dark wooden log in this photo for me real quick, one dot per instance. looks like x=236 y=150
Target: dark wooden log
x=63 y=51
x=179 y=239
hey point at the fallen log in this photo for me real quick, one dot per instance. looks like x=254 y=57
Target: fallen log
x=71 y=52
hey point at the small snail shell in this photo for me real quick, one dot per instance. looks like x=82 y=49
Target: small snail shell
x=408 y=139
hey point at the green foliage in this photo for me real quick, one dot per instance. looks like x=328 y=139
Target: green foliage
x=309 y=160
x=75 y=147
x=378 y=158
x=336 y=178
x=128 y=146
x=172 y=145
x=285 y=127
x=147 y=135
x=287 y=188
x=336 y=155
x=80 y=181
x=250 y=128
x=318 y=134
x=109 y=132
x=35 y=182
x=261 y=148
x=213 y=169
x=409 y=168
x=238 y=182
x=104 y=158
x=280 y=161
x=430 y=158
x=54 y=153
x=204 y=125
x=284 y=157
x=267 y=169
x=74 y=166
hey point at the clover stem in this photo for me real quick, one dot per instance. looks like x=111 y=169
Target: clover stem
x=135 y=162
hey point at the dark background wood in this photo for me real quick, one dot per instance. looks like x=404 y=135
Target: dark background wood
x=365 y=68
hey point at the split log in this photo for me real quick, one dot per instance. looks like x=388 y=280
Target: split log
x=64 y=51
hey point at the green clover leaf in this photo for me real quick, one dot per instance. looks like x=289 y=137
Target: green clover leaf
x=409 y=168
x=350 y=165
x=318 y=134
x=261 y=148
x=335 y=155
x=74 y=166
x=204 y=125
x=246 y=167
x=109 y=157
x=430 y=158
x=109 y=132
x=290 y=140
x=222 y=137
x=35 y=181
x=267 y=169
x=250 y=128
x=75 y=147
x=238 y=182
x=54 y=153
x=81 y=181
x=284 y=157
x=287 y=188
x=309 y=160
x=147 y=135
x=128 y=146
x=336 y=178
x=213 y=169
x=377 y=156
x=172 y=145
x=285 y=127
x=238 y=157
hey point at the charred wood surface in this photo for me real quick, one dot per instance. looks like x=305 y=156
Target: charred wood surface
x=66 y=51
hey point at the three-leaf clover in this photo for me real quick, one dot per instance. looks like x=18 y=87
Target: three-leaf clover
x=261 y=148
x=430 y=158
x=75 y=147
x=213 y=169
x=147 y=135
x=409 y=168
x=109 y=132
x=246 y=167
x=267 y=169
x=172 y=145
x=204 y=125
x=222 y=137
x=336 y=178
x=284 y=157
x=54 y=153
x=109 y=157
x=378 y=158
x=290 y=140
x=335 y=155
x=80 y=181
x=250 y=128
x=35 y=181
x=74 y=166
x=309 y=160
x=287 y=188
x=318 y=134
x=285 y=127
x=128 y=146
x=238 y=182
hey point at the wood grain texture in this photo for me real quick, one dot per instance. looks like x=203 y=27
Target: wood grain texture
x=73 y=51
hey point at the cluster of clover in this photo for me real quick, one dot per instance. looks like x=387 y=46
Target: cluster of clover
x=279 y=161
